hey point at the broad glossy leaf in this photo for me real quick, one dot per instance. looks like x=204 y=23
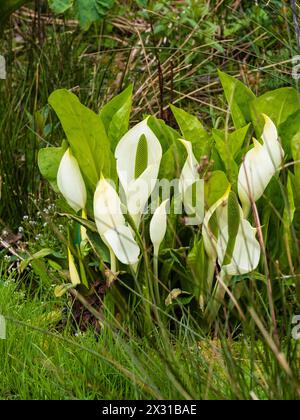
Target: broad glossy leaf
x=86 y=135
x=48 y=161
x=296 y=156
x=60 y=6
x=277 y=104
x=198 y=263
x=234 y=140
x=115 y=116
x=193 y=131
x=166 y=134
x=238 y=97
x=89 y=11
x=215 y=187
x=226 y=154
x=168 y=165
x=288 y=130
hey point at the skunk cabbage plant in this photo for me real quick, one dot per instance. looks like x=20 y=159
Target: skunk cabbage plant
x=259 y=166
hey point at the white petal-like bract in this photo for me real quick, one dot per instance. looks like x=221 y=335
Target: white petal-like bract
x=138 y=192
x=126 y=151
x=259 y=166
x=122 y=243
x=190 y=186
x=111 y=224
x=158 y=225
x=246 y=252
x=189 y=173
x=107 y=207
x=209 y=238
x=70 y=182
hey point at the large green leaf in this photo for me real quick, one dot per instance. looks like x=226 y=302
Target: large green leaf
x=115 y=116
x=166 y=134
x=193 y=131
x=86 y=11
x=60 y=6
x=238 y=97
x=86 y=135
x=169 y=163
x=48 y=161
x=234 y=141
x=229 y=147
x=295 y=184
x=89 y=11
x=215 y=187
x=288 y=217
x=295 y=146
x=229 y=163
x=172 y=160
x=288 y=130
x=198 y=263
x=278 y=104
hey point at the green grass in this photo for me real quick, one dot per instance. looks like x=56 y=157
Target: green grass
x=41 y=360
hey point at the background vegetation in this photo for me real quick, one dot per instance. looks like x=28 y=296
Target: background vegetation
x=170 y=51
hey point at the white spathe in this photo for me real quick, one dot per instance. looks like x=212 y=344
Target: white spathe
x=111 y=224
x=158 y=226
x=189 y=173
x=189 y=178
x=137 y=191
x=70 y=182
x=107 y=207
x=209 y=239
x=246 y=252
x=123 y=244
x=259 y=166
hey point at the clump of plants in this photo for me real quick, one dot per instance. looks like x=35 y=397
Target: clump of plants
x=172 y=220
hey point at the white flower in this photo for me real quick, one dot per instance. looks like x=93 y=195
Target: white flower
x=138 y=155
x=70 y=182
x=259 y=166
x=246 y=250
x=111 y=224
x=158 y=226
x=189 y=182
x=210 y=237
